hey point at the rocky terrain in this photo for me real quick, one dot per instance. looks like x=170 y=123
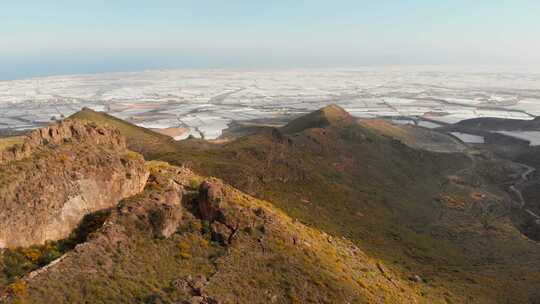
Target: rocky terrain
x=212 y=244
x=326 y=209
x=59 y=174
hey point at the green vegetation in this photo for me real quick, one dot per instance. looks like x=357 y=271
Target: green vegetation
x=17 y=262
x=17 y=288
x=195 y=182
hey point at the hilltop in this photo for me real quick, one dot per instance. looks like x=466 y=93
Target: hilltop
x=331 y=115
x=142 y=140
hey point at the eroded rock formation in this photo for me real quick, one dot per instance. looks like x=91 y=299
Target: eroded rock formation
x=60 y=174
x=63 y=132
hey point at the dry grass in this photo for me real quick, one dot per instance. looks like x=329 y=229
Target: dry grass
x=139 y=139
x=10 y=141
x=387 y=129
x=272 y=258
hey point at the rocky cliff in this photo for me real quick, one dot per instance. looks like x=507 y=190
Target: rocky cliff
x=58 y=175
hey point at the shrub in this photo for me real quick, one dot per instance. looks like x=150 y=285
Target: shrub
x=63 y=158
x=133 y=155
x=195 y=226
x=156 y=167
x=183 y=246
x=157 y=218
x=153 y=186
x=49 y=256
x=184 y=250
x=155 y=299
x=32 y=254
x=16 y=264
x=19 y=261
x=195 y=183
x=17 y=288
x=204 y=243
x=206 y=227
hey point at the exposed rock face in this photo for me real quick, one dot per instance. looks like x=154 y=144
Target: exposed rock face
x=165 y=213
x=211 y=200
x=62 y=132
x=60 y=174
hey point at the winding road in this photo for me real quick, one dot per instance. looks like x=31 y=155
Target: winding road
x=524 y=177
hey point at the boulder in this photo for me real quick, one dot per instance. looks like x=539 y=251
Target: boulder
x=211 y=201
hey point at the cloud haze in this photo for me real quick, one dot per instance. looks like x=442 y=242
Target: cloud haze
x=54 y=37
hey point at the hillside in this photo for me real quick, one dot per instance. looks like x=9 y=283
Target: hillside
x=416 y=137
x=212 y=244
x=492 y=123
x=331 y=115
x=139 y=139
x=436 y=212
x=335 y=193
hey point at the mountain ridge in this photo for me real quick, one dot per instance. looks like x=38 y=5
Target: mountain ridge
x=429 y=227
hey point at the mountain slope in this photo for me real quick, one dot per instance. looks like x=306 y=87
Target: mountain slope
x=141 y=140
x=331 y=115
x=212 y=244
x=492 y=123
x=438 y=216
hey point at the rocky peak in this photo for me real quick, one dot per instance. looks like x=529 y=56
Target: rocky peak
x=63 y=132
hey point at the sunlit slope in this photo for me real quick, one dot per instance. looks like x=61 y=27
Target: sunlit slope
x=227 y=247
x=428 y=214
x=139 y=139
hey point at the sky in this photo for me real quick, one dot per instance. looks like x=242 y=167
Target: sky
x=43 y=37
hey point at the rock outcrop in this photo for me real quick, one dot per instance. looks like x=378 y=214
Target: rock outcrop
x=60 y=174
x=60 y=133
x=165 y=213
x=211 y=201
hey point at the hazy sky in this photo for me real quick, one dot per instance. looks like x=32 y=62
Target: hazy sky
x=41 y=37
